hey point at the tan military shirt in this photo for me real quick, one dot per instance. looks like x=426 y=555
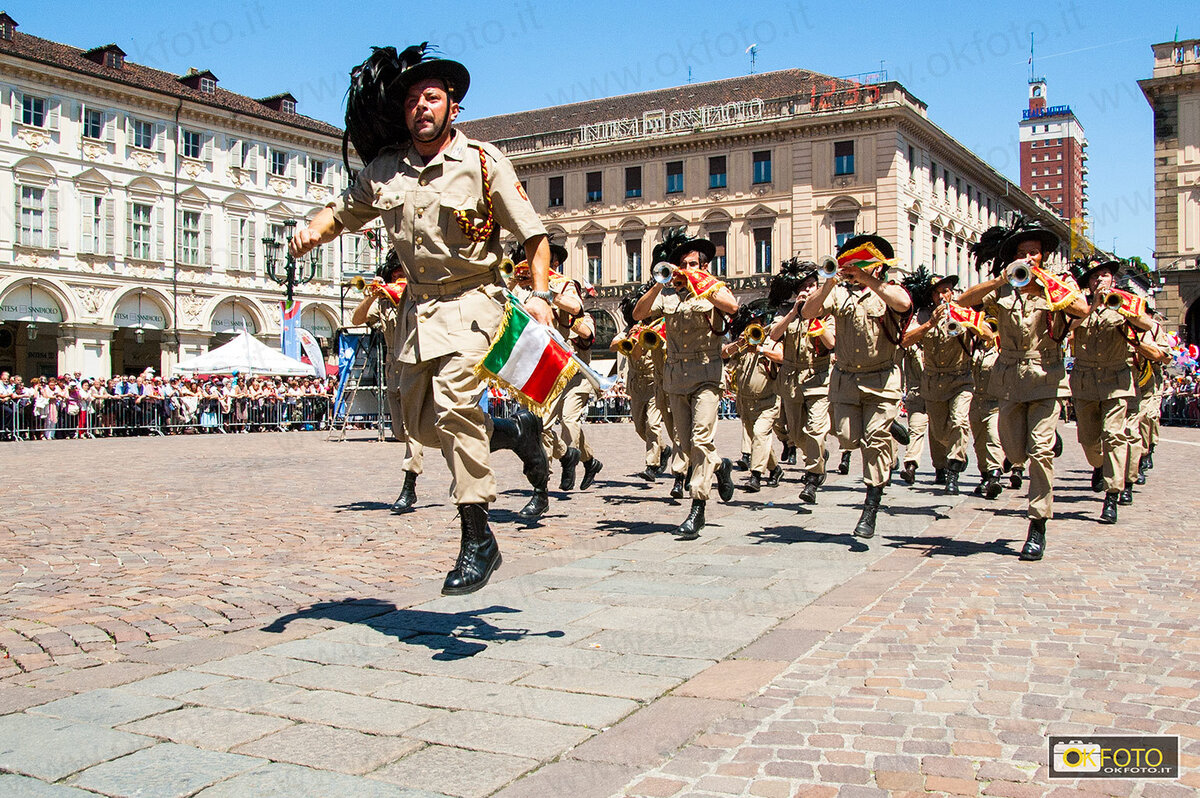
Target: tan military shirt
x=1030 y=366
x=386 y=316
x=982 y=363
x=751 y=373
x=860 y=346
x=805 y=367
x=947 y=363
x=639 y=373
x=1157 y=384
x=454 y=298
x=693 y=356
x=1102 y=369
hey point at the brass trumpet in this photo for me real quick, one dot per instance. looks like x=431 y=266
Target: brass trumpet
x=662 y=272
x=360 y=283
x=992 y=324
x=754 y=334
x=1019 y=274
x=828 y=268
x=955 y=327
x=650 y=338
x=507 y=267
x=625 y=346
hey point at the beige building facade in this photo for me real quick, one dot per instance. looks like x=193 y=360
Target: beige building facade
x=1173 y=92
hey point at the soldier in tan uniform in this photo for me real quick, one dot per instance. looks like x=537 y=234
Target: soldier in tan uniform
x=694 y=308
x=640 y=378
x=946 y=375
x=379 y=309
x=1153 y=352
x=444 y=199
x=912 y=368
x=1102 y=386
x=803 y=356
x=1030 y=369
x=985 y=420
x=870 y=315
x=753 y=374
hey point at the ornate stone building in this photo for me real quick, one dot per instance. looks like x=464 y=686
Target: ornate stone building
x=769 y=166
x=1174 y=93
x=134 y=205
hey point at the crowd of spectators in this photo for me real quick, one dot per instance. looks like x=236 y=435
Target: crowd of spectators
x=1181 y=404
x=74 y=406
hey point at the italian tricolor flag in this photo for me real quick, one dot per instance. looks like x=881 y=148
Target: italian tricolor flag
x=527 y=359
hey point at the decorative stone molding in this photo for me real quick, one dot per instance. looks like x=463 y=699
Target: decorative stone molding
x=192 y=305
x=35 y=139
x=319 y=193
x=93 y=151
x=91 y=296
x=193 y=168
x=143 y=160
x=278 y=185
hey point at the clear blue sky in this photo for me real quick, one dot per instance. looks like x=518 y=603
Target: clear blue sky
x=967 y=60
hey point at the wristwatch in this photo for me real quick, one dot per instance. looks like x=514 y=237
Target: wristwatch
x=544 y=295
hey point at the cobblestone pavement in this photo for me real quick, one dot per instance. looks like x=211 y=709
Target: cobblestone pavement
x=231 y=616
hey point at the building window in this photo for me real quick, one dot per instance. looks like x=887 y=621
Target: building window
x=912 y=163
x=595 y=263
x=556 y=192
x=191 y=144
x=933 y=253
x=633 y=182
x=316 y=171
x=946 y=185
x=762 y=250
x=143 y=135
x=719 y=264
x=633 y=260
x=287 y=106
x=762 y=167
x=139 y=231
x=317 y=258
x=208 y=85
x=674 y=177
x=95 y=225
x=843 y=231
x=716 y=171
x=189 y=238
x=31 y=217
x=93 y=124
x=33 y=111
x=843 y=158
x=242 y=244
x=912 y=245
x=595 y=186
x=279 y=163
x=933 y=172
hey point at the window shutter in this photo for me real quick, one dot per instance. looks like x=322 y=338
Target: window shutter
x=87 y=221
x=109 y=223
x=206 y=149
x=51 y=235
x=207 y=243
x=52 y=113
x=235 y=245
x=253 y=165
x=292 y=160
x=160 y=137
x=110 y=127
x=128 y=229
x=17 y=214
x=76 y=114
x=16 y=105
x=251 y=246
x=159 y=232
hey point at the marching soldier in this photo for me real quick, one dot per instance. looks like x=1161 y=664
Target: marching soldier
x=640 y=378
x=946 y=374
x=1155 y=351
x=870 y=315
x=753 y=376
x=1102 y=385
x=804 y=359
x=1029 y=369
x=443 y=198
x=694 y=308
x=985 y=419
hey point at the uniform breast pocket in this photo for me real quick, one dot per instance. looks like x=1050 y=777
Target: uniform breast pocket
x=873 y=306
x=456 y=207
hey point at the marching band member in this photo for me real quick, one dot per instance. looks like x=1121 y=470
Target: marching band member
x=1155 y=351
x=985 y=417
x=870 y=315
x=753 y=377
x=804 y=359
x=1030 y=368
x=694 y=308
x=640 y=379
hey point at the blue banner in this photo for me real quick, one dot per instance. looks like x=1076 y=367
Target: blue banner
x=289 y=325
x=347 y=346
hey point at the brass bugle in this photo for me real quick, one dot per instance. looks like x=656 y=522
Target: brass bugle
x=754 y=334
x=360 y=283
x=955 y=327
x=1019 y=274
x=625 y=345
x=507 y=267
x=992 y=324
x=1114 y=300
x=828 y=268
x=650 y=338
x=662 y=272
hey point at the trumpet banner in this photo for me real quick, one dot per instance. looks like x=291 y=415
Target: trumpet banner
x=1060 y=291
x=972 y=319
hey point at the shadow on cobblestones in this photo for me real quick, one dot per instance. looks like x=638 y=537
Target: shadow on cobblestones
x=362 y=505
x=936 y=546
x=796 y=534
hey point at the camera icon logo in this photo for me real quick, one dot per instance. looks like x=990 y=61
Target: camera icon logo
x=1076 y=756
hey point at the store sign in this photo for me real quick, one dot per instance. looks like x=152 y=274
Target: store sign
x=316 y=323
x=231 y=318
x=30 y=303
x=662 y=123
x=138 y=311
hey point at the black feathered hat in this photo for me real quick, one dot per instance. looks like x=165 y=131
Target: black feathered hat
x=701 y=245
x=1082 y=272
x=672 y=238
x=986 y=250
x=389 y=265
x=922 y=284
x=558 y=252
x=786 y=284
x=1027 y=230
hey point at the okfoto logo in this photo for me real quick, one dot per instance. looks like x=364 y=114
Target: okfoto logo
x=1114 y=758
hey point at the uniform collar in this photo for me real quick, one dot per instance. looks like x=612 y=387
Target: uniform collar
x=455 y=151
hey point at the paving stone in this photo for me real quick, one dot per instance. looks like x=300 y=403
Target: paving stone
x=52 y=748
x=455 y=771
x=207 y=727
x=371 y=715
x=344 y=679
x=173 y=684
x=582 y=655
x=15 y=698
x=653 y=642
x=327 y=652
x=105 y=707
x=240 y=694
x=164 y=771
x=732 y=680
x=481 y=731
x=108 y=675
x=254 y=666
x=654 y=731
x=636 y=686
x=650 y=665
x=329 y=748
x=480 y=669
x=278 y=780
x=12 y=786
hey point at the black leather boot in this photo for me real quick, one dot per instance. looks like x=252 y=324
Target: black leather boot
x=978 y=489
x=909 y=472
x=649 y=473
x=743 y=463
x=994 y=487
x=1016 y=477
x=664 y=457
x=1035 y=541
x=808 y=493
x=690 y=528
x=865 y=528
x=725 y=479
x=953 y=468
x=687 y=482
x=1097 y=480
x=1108 y=514
x=408 y=494
x=677 y=488
x=1150 y=458
x=522 y=434
x=478 y=555
x=1126 y=497
x=939 y=476
x=899 y=432
x=1058 y=445
x=590 y=469
x=753 y=484
x=844 y=465
x=537 y=505
x=569 y=462
x=789 y=455
x=775 y=477
x=1142 y=469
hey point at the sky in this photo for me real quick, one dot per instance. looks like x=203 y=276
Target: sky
x=968 y=61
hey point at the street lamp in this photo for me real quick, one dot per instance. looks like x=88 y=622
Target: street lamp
x=31 y=330
x=293 y=275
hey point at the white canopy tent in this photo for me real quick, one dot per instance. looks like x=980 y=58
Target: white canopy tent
x=245 y=354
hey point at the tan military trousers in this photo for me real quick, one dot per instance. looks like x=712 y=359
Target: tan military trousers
x=1027 y=434
x=808 y=425
x=678 y=463
x=758 y=417
x=695 y=415
x=441 y=410
x=1143 y=430
x=414 y=452
x=1101 y=430
x=918 y=431
x=865 y=425
x=648 y=424
x=949 y=426
x=984 y=418
x=562 y=425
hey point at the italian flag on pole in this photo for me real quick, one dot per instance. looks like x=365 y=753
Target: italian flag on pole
x=527 y=359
